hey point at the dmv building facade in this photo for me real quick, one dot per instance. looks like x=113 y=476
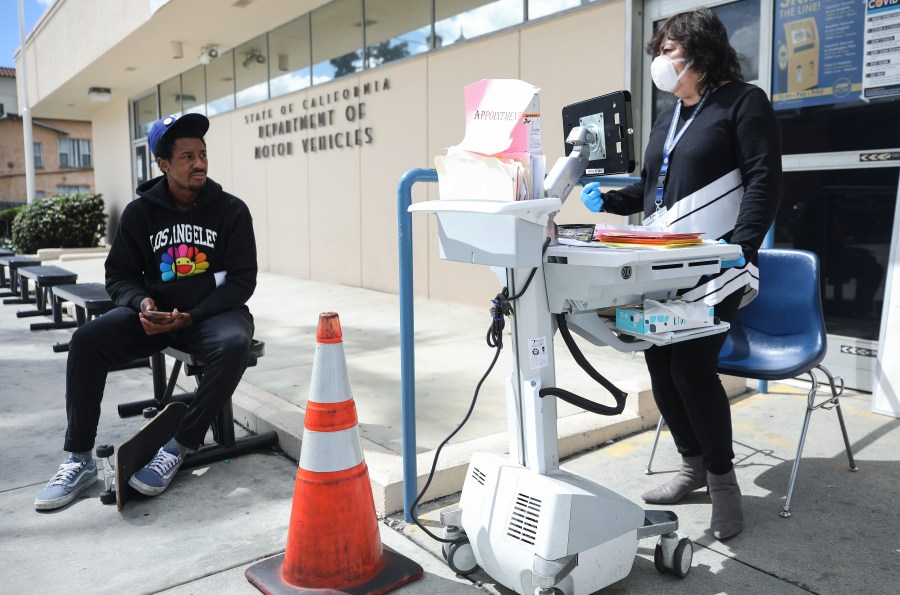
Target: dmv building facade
x=318 y=108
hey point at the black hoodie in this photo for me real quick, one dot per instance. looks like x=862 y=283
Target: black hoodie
x=172 y=255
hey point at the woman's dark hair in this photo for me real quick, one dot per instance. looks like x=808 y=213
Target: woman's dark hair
x=705 y=43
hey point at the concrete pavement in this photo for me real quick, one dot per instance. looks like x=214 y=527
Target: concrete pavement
x=215 y=521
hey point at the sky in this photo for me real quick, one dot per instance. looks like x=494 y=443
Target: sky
x=9 y=25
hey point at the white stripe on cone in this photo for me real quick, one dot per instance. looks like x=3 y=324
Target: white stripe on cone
x=323 y=452
x=329 y=383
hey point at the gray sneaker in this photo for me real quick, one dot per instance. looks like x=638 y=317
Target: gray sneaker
x=156 y=476
x=74 y=475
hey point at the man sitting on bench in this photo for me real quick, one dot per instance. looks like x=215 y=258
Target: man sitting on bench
x=166 y=272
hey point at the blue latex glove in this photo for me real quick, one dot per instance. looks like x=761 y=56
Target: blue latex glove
x=592 y=197
x=736 y=262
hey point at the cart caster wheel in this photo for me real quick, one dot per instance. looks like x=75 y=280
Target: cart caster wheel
x=108 y=497
x=658 y=560
x=673 y=554
x=460 y=557
x=681 y=560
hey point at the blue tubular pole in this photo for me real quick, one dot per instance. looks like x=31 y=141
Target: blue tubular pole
x=407 y=334
x=768 y=242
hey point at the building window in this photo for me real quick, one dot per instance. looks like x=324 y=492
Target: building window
x=145 y=114
x=337 y=40
x=39 y=194
x=170 y=97
x=452 y=25
x=74 y=152
x=38 y=155
x=542 y=8
x=193 y=91
x=289 y=65
x=63 y=189
x=396 y=29
x=251 y=75
x=220 y=84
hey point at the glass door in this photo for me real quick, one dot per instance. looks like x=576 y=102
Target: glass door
x=141 y=164
x=744 y=21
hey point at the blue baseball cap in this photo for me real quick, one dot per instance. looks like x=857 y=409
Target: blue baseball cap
x=186 y=126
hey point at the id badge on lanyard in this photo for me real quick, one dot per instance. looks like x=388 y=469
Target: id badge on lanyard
x=672 y=140
x=657 y=219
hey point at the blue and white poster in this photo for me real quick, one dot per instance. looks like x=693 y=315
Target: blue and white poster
x=881 y=71
x=819 y=48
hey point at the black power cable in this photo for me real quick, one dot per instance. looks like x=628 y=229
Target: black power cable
x=577 y=400
x=502 y=307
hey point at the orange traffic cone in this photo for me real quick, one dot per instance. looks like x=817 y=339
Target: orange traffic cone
x=333 y=541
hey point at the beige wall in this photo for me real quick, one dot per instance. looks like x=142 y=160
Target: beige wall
x=332 y=215
x=112 y=160
x=59 y=48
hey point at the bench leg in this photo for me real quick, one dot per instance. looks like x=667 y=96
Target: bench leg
x=226 y=445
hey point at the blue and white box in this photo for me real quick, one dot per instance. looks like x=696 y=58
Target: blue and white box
x=661 y=317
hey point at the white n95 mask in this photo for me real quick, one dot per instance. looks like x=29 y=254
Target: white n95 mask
x=662 y=71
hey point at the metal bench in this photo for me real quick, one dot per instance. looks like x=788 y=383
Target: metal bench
x=11 y=282
x=90 y=300
x=45 y=278
x=226 y=445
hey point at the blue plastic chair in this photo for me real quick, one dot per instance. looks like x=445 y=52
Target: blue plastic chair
x=781 y=335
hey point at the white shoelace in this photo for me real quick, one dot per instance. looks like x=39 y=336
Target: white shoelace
x=163 y=462
x=67 y=471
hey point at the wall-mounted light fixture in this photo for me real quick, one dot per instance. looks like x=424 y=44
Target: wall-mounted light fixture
x=99 y=94
x=177 y=50
x=283 y=62
x=254 y=57
x=208 y=53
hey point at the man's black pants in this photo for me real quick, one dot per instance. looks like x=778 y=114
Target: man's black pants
x=221 y=341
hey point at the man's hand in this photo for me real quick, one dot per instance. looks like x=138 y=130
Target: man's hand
x=155 y=322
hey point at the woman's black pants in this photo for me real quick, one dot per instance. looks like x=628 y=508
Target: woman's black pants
x=691 y=397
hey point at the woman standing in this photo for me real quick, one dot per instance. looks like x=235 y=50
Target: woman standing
x=713 y=164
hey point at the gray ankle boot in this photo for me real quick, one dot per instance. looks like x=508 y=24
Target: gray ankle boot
x=727 y=513
x=691 y=476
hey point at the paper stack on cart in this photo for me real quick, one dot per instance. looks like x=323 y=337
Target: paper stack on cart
x=500 y=158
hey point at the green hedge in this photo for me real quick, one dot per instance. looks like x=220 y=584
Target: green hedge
x=6 y=220
x=69 y=221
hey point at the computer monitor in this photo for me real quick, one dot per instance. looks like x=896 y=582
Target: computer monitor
x=608 y=117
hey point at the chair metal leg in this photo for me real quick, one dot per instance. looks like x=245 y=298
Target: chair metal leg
x=837 y=389
x=835 y=395
x=786 y=511
x=659 y=426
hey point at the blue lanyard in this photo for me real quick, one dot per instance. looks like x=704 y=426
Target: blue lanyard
x=672 y=140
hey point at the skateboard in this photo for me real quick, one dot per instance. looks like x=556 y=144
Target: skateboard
x=137 y=451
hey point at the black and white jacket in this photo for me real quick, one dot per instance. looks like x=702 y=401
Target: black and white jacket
x=724 y=179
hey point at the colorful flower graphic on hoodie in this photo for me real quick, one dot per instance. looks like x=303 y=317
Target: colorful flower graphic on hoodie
x=182 y=261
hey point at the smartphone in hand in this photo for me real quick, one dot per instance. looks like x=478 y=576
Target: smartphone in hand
x=157 y=314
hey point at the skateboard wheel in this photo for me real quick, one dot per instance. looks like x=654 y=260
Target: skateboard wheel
x=105 y=450
x=108 y=497
x=150 y=412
